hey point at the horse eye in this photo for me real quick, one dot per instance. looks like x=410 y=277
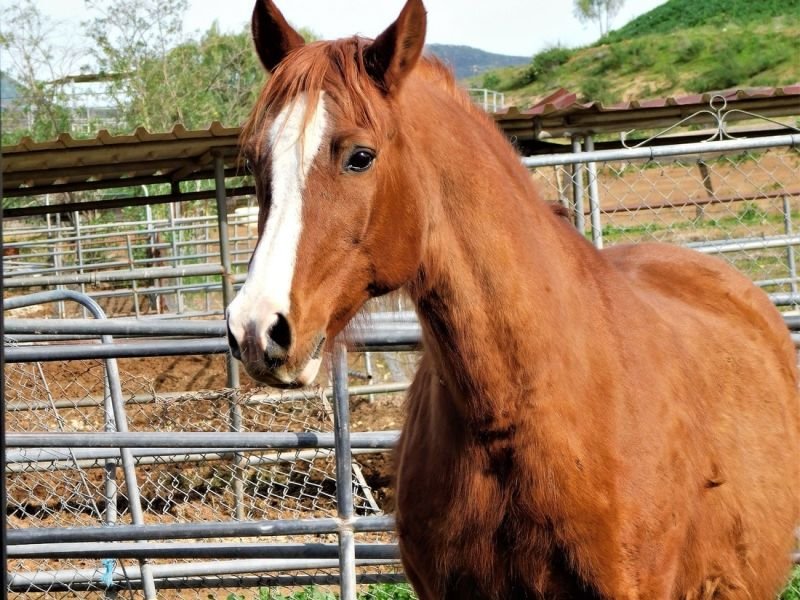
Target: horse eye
x=360 y=160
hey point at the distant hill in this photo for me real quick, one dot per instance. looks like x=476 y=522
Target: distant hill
x=467 y=61
x=682 y=46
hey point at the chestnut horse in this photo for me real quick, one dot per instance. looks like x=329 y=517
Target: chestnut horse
x=620 y=424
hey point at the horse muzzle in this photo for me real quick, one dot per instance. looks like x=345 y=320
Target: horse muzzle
x=264 y=348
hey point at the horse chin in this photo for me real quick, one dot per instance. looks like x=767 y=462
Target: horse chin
x=283 y=378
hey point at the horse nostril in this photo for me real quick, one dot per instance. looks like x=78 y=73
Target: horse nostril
x=281 y=333
x=233 y=345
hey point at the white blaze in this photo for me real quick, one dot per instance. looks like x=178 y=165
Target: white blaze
x=294 y=145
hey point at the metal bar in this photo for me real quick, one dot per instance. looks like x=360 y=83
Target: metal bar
x=375 y=340
x=195 y=550
x=153 y=327
x=124 y=327
x=107 y=184
x=745 y=244
x=175 y=531
x=594 y=197
x=107 y=276
x=344 y=472
x=20 y=462
x=28 y=211
x=44 y=353
x=196 y=439
x=790 y=256
x=577 y=188
x=232 y=365
x=359 y=390
x=654 y=152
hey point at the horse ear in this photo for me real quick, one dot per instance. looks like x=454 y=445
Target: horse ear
x=394 y=53
x=274 y=38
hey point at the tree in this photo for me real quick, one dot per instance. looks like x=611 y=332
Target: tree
x=37 y=67
x=128 y=35
x=168 y=77
x=600 y=11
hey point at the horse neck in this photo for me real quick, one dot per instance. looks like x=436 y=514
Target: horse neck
x=496 y=290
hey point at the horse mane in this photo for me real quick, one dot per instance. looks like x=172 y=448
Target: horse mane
x=337 y=67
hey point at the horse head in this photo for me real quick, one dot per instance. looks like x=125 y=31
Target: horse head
x=338 y=218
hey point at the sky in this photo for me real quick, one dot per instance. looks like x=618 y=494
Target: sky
x=518 y=27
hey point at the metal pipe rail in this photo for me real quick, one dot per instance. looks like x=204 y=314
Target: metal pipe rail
x=109 y=276
x=394 y=339
x=177 y=531
x=148 y=327
x=125 y=327
x=88 y=458
x=240 y=440
x=654 y=152
x=197 y=550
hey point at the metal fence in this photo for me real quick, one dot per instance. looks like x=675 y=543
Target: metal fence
x=737 y=199
x=244 y=493
x=240 y=493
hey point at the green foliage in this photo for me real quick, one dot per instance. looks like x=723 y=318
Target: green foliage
x=380 y=591
x=679 y=15
x=792 y=591
x=751 y=214
x=491 y=81
x=168 y=78
x=545 y=63
x=743 y=58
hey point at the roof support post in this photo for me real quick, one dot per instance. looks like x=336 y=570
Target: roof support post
x=594 y=198
x=235 y=412
x=577 y=188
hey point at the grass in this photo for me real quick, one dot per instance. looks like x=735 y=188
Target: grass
x=379 y=591
x=677 y=15
x=403 y=591
x=792 y=591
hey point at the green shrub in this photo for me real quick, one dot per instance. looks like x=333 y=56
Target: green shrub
x=544 y=63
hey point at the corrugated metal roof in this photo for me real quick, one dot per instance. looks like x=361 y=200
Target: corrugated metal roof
x=561 y=115
x=106 y=161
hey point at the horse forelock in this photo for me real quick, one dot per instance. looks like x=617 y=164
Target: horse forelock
x=336 y=68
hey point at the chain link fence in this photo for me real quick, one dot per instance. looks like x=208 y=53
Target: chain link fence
x=742 y=204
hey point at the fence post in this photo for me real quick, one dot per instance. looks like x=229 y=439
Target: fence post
x=76 y=223
x=709 y=187
x=344 y=473
x=227 y=298
x=790 y=258
x=594 y=198
x=577 y=188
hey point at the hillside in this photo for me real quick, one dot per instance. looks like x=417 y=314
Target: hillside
x=677 y=15
x=467 y=61
x=682 y=46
